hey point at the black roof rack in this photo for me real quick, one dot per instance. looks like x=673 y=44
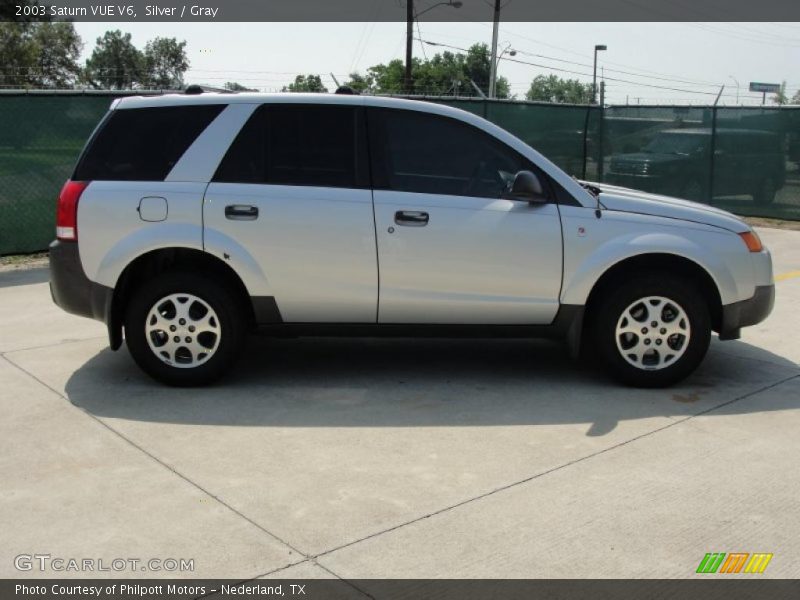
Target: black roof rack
x=201 y=89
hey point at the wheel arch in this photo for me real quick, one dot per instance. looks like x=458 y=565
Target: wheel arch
x=153 y=263
x=663 y=262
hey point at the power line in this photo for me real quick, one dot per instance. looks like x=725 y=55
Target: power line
x=571 y=72
x=645 y=72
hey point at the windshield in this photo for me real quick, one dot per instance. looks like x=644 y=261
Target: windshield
x=677 y=143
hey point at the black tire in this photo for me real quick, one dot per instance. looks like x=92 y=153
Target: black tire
x=765 y=194
x=229 y=309
x=608 y=311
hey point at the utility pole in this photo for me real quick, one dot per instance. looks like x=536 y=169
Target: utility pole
x=597 y=48
x=493 y=64
x=408 y=84
x=601 y=136
x=411 y=16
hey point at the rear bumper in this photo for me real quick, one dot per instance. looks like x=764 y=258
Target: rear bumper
x=747 y=312
x=71 y=289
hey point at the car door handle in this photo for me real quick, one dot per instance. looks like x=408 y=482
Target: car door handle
x=411 y=218
x=241 y=212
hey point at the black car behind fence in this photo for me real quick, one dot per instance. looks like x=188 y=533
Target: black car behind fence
x=743 y=159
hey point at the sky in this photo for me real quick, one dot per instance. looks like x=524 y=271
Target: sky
x=645 y=63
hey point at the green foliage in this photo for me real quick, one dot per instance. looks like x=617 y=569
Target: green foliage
x=17 y=54
x=59 y=48
x=237 y=87
x=781 y=98
x=165 y=63
x=306 y=83
x=39 y=54
x=551 y=88
x=360 y=83
x=115 y=62
x=445 y=73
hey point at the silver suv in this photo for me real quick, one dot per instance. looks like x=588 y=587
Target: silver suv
x=190 y=220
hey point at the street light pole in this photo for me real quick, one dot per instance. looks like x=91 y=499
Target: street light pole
x=493 y=62
x=494 y=68
x=597 y=48
x=736 y=81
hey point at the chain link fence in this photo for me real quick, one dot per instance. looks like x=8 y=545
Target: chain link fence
x=745 y=160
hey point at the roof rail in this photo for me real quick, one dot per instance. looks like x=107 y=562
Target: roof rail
x=202 y=89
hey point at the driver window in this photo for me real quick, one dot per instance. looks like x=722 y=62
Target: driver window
x=430 y=154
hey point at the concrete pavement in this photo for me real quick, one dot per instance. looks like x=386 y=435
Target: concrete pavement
x=397 y=458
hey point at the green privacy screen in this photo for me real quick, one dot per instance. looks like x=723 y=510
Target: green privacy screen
x=744 y=160
x=40 y=139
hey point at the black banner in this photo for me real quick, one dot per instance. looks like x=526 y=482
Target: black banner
x=395 y=10
x=732 y=588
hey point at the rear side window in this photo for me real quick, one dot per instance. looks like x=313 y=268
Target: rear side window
x=143 y=144
x=419 y=152
x=299 y=144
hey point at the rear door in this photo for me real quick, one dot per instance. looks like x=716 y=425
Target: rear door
x=450 y=249
x=293 y=190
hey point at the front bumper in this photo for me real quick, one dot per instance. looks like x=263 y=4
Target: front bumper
x=746 y=312
x=71 y=289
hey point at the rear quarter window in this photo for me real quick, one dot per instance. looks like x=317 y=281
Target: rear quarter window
x=143 y=144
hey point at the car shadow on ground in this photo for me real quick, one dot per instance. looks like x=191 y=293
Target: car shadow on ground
x=321 y=382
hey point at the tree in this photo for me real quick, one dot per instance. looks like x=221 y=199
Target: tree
x=17 y=54
x=796 y=98
x=551 y=88
x=361 y=83
x=780 y=97
x=115 y=62
x=306 y=83
x=388 y=78
x=59 y=47
x=477 y=67
x=41 y=54
x=445 y=73
x=237 y=87
x=165 y=63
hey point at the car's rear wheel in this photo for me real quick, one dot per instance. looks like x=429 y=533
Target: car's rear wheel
x=652 y=331
x=183 y=329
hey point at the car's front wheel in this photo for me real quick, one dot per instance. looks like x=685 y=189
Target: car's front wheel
x=652 y=331
x=183 y=329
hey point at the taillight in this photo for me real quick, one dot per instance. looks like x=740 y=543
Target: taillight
x=67 y=210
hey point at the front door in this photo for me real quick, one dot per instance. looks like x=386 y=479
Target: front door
x=450 y=249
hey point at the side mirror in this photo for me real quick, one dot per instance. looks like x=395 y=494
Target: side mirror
x=527 y=188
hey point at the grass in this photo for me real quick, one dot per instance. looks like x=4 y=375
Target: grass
x=14 y=262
